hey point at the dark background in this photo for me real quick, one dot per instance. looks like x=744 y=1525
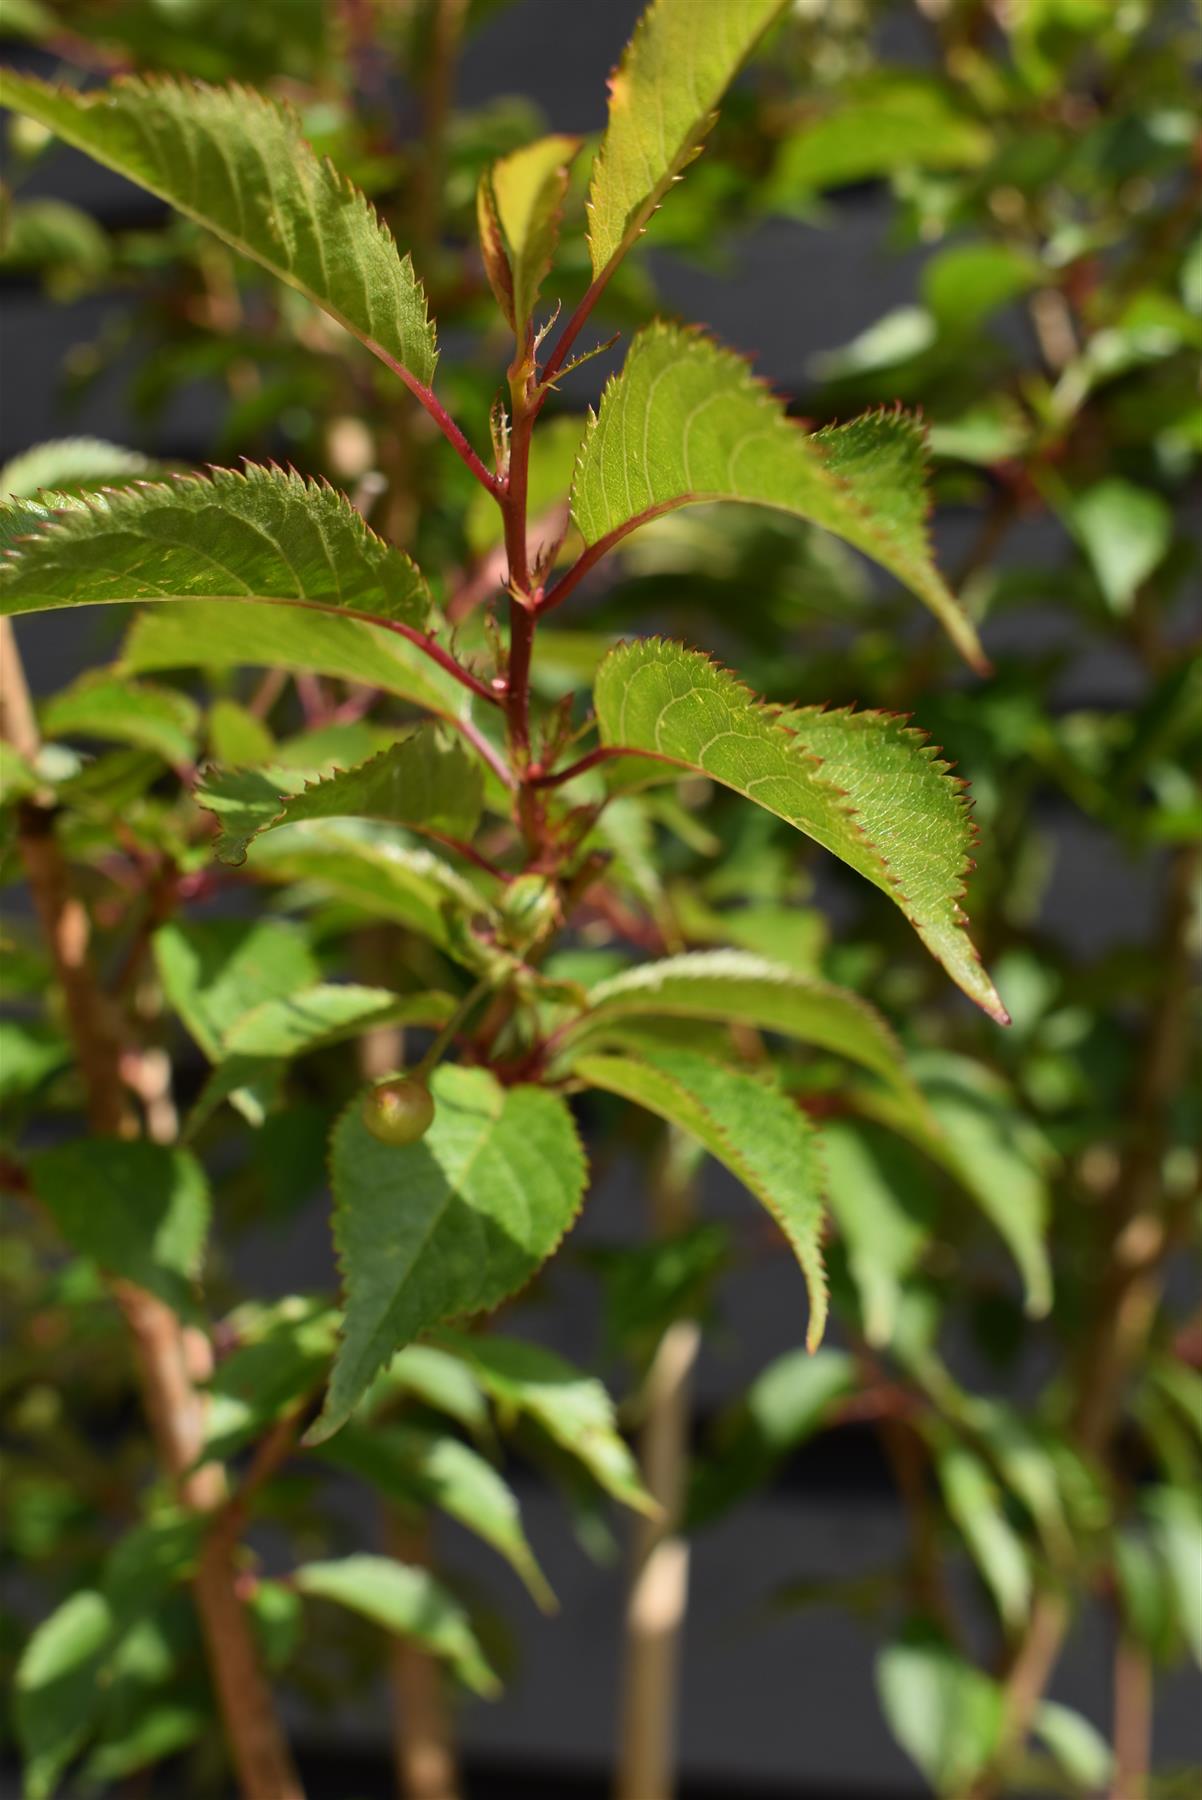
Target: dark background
x=773 y=1702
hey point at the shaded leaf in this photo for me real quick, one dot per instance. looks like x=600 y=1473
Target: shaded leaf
x=1077 y=1746
x=406 y=1601
x=196 y=635
x=429 y=1468
x=252 y=534
x=1125 y=531
x=66 y=463
x=765 y=1141
x=419 y=782
x=360 y=861
x=662 y=97
x=878 y=1192
x=863 y=785
x=214 y=971
x=974 y=1504
x=140 y=1210
x=943 y=1712
x=56 y=1693
x=238 y=164
x=572 y=1408
x=787 y=1403
x=447 y=1226
x=738 y=986
x=878 y=126
x=686 y=421
x=102 y=705
x=281 y=1354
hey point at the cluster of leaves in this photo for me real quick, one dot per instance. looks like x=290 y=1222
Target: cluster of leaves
x=319 y=798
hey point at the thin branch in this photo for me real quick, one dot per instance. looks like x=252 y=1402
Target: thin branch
x=572 y=329
x=166 y=1354
x=476 y=738
x=589 y=558
x=427 y=398
x=603 y=753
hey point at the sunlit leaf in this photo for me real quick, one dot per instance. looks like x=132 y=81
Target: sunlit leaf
x=237 y=535
x=406 y=1601
x=572 y=1408
x=238 y=164
x=863 y=785
x=686 y=421
x=735 y=985
x=765 y=1141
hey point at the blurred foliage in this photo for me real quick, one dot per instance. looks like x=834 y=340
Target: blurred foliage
x=1041 y=1410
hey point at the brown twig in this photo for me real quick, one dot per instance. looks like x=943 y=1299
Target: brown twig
x=166 y=1355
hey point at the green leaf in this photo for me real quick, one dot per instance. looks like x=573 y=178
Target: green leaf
x=447 y=1226
x=765 y=1141
x=943 y=1712
x=30 y=1052
x=686 y=421
x=573 y=1409
x=56 y=1693
x=1125 y=531
x=738 y=986
x=360 y=861
x=196 y=635
x=103 y=705
x=1176 y=1518
x=236 y=735
x=259 y=1043
x=419 y=782
x=863 y=785
x=66 y=463
x=963 y=285
x=877 y=127
x=214 y=971
x=430 y=1468
x=662 y=99
x=238 y=164
x=435 y=1379
x=281 y=1353
x=408 y=1602
x=520 y=202
x=973 y=1502
x=787 y=1403
x=312 y=1018
x=986 y=1143
x=140 y=1210
x=253 y=534
x=878 y=1194
x=1078 y=1747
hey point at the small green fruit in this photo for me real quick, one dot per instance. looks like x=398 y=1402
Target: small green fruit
x=398 y=1110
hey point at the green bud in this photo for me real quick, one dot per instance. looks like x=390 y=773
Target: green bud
x=398 y=1110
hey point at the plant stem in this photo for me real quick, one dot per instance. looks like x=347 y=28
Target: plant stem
x=1128 y=1292
x=166 y=1355
x=1132 y=1720
x=658 y=1596
x=424 y=1749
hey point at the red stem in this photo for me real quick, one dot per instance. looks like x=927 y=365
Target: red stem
x=433 y=405
x=571 y=330
x=603 y=753
x=588 y=559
